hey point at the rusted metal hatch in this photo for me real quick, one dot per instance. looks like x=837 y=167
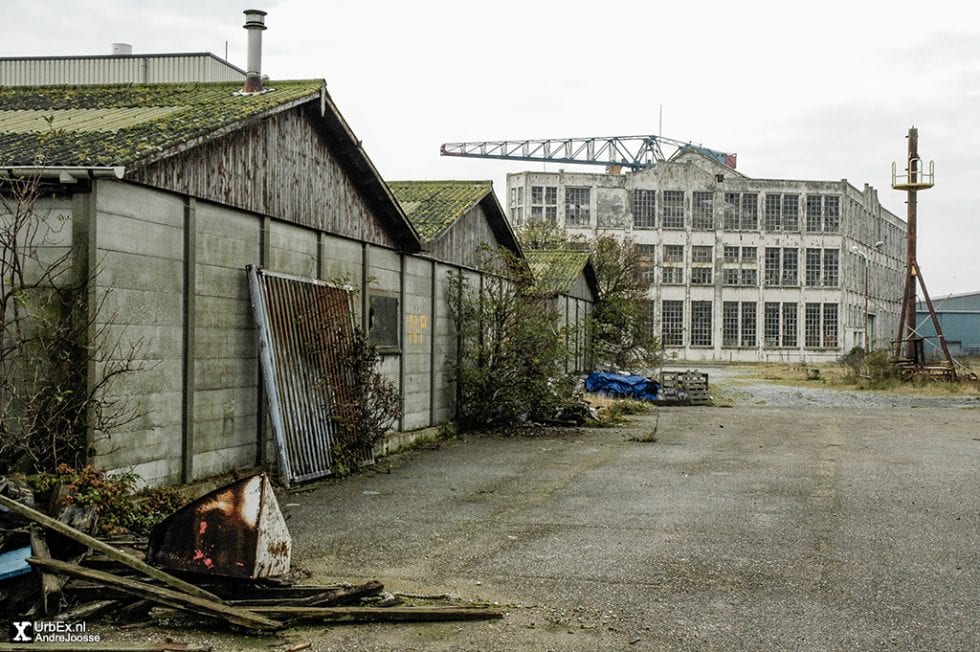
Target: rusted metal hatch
x=234 y=531
x=305 y=330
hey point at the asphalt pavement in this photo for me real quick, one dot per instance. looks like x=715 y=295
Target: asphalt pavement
x=778 y=525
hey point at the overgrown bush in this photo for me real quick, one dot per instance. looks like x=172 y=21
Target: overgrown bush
x=366 y=408
x=51 y=333
x=510 y=357
x=120 y=506
x=874 y=370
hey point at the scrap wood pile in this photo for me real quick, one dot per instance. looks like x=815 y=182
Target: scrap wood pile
x=225 y=556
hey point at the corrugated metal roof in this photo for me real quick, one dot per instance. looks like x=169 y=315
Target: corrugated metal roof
x=128 y=124
x=432 y=206
x=555 y=271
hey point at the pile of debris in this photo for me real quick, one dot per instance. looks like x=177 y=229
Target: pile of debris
x=222 y=557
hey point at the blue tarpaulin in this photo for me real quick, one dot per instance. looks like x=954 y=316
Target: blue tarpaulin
x=638 y=387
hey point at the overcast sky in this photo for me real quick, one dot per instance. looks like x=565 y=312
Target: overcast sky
x=798 y=90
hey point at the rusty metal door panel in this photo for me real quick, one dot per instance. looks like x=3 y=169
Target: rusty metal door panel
x=305 y=329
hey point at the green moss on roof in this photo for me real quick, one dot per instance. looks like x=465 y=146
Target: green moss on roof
x=125 y=124
x=556 y=271
x=432 y=206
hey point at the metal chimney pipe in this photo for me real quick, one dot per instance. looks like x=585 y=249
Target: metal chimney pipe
x=255 y=24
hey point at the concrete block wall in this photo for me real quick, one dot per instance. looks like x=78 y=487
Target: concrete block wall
x=136 y=240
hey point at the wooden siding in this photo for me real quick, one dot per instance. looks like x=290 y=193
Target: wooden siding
x=462 y=243
x=279 y=166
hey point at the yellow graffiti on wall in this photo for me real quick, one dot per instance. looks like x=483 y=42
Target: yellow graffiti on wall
x=417 y=325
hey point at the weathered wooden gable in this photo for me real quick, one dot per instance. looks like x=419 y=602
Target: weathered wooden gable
x=468 y=239
x=281 y=166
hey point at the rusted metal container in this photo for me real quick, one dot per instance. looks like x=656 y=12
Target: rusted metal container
x=234 y=531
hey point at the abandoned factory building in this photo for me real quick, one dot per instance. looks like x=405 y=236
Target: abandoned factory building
x=164 y=193
x=742 y=269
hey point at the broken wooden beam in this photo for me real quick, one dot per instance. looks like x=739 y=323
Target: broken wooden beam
x=326 y=597
x=51 y=584
x=340 y=615
x=164 y=596
x=110 y=551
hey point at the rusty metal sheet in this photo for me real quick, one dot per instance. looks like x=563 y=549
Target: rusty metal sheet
x=234 y=531
x=305 y=329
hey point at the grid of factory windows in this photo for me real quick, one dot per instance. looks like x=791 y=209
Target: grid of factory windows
x=672 y=323
x=822 y=267
x=673 y=209
x=702 y=210
x=544 y=202
x=700 y=323
x=577 y=212
x=782 y=266
x=645 y=209
x=646 y=258
x=780 y=325
x=738 y=323
x=741 y=211
x=822 y=213
x=820 y=325
x=782 y=212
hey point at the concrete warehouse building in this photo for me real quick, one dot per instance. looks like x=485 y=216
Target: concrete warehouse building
x=742 y=269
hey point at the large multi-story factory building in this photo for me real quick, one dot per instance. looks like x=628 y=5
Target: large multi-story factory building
x=742 y=269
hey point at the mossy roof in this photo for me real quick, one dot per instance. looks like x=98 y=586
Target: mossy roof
x=129 y=124
x=555 y=271
x=433 y=206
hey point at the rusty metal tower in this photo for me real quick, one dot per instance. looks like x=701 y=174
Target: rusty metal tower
x=909 y=347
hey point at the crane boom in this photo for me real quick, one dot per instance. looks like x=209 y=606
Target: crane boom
x=636 y=152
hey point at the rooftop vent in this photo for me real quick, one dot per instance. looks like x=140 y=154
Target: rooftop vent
x=121 y=48
x=255 y=24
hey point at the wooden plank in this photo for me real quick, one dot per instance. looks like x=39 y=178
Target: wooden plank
x=101 y=546
x=378 y=614
x=168 y=597
x=50 y=584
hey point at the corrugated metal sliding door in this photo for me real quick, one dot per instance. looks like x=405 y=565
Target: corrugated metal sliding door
x=305 y=329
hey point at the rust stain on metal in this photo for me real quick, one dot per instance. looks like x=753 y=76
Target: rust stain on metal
x=235 y=531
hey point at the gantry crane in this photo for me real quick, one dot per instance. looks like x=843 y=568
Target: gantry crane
x=634 y=152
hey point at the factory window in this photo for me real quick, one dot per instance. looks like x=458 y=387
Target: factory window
x=700 y=323
x=672 y=275
x=673 y=209
x=782 y=267
x=822 y=213
x=645 y=208
x=646 y=257
x=821 y=326
x=790 y=325
x=729 y=323
x=701 y=276
x=831 y=267
x=780 y=325
x=813 y=265
x=782 y=212
x=577 y=206
x=544 y=202
x=822 y=267
x=748 y=254
x=738 y=323
x=701 y=253
x=741 y=211
x=811 y=326
x=748 y=323
x=830 y=325
x=672 y=323
x=673 y=253
x=749 y=278
x=731 y=254
x=702 y=215
x=731 y=275
x=537 y=194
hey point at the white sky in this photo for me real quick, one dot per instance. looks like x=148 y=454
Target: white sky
x=799 y=90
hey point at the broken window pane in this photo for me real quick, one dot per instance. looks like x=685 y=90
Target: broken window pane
x=645 y=208
x=673 y=209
